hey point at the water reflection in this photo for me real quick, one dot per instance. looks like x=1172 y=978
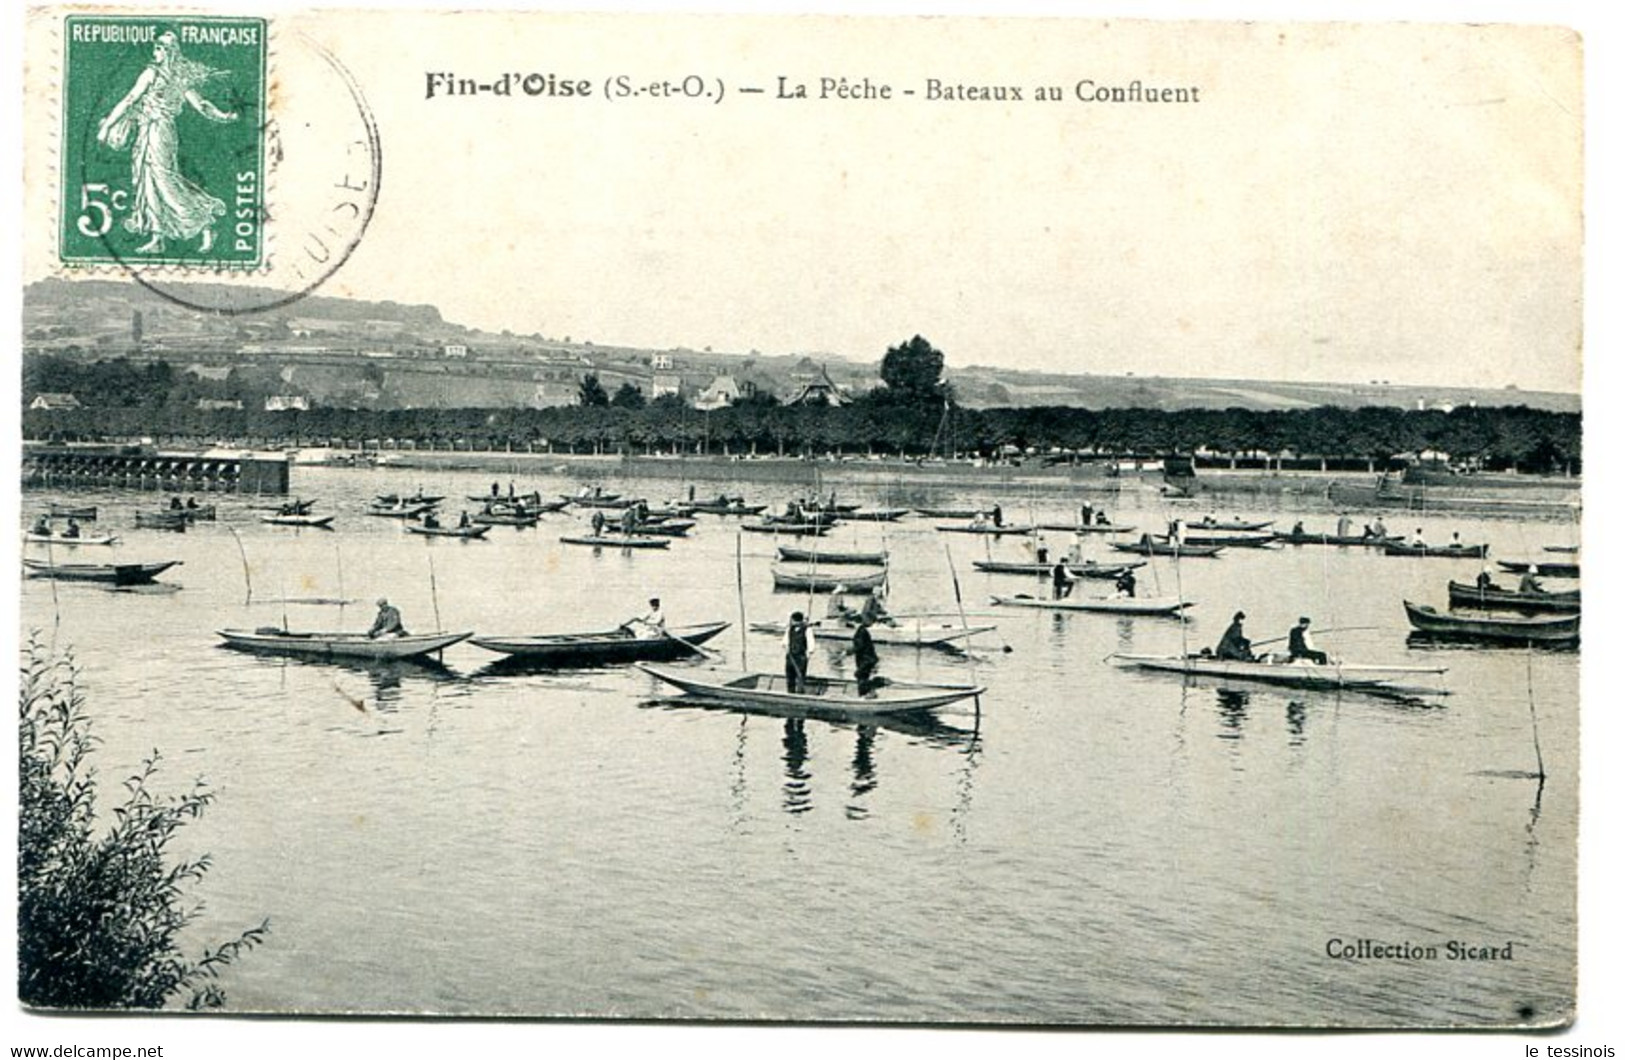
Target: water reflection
x=391 y=680
x=863 y=772
x=1232 y=712
x=797 y=781
x=1297 y=715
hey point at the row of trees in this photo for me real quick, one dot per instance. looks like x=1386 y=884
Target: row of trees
x=1515 y=437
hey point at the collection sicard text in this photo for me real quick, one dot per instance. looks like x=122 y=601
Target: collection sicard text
x=442 y=84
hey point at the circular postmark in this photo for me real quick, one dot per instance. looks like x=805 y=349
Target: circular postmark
x=218 y=193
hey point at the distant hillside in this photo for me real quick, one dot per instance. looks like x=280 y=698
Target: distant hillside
x=386 y=354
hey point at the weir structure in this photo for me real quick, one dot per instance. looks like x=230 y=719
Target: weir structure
x=146 y=468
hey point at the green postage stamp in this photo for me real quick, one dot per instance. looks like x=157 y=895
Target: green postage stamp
x=163 y=141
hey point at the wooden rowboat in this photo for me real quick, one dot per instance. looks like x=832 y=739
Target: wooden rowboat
x=1553 y=629
x=983 y=528
x=202 y=514
x=160 y=521
x=667 y=527
x=734 y=507
x=1107 y=605
x=1165 y=548
x=1497 y=599
x=595 y=649
x=905 y=634
x=821 y=693
x=1347 y=540
x=788 y=529
x=1402 y=548
x=397 y=500
x=1086 y=569
x=321 y=522
x=1230 y=525
x=402 y=511
x=1544 y=570
x=1225 y=538
x=84 y=513
x=1278 y=671
x=58 y=539
x=806 y=581
x=954 y=513
x=111 y=573
x=791 y=554
x=467 y=533
x=1092 y=528
x=505 y=519
x=875 y=515
x=339 y=645
x=616 y=541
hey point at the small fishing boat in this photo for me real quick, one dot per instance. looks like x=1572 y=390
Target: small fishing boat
x=1228 y=525
x=467 y=533
x=612 y=501
x=83 y=513
x=339 y=645
x=821 y=693
x=595 y=649
x=505 y=519
x=788 y=529
x=1567 y=549
x=791 y=554
x=202 y=514
x=1225 y=538
x=1108 y=605
x=59 y=539
x=399 y=511
x=293 y=507
x=811 y=582
x=1553 y=629
x=734 y=506
x=321 y=522
x=397 y=500
x=1544 y=570
x=983 y=528
x=670 y=511
x=804 y=518
x=528 y=500
x=1086 y=569
x=112 y=573
x=1278 y=670
x=1495 y=598
x=1348 y=540
x=1092 y=528
x=875 y=515
x=1451 y=551
x=904 y=634
x=1166 y=548
x=616 y=541
x=160 y=521
x=954 y=513
x=667 y=527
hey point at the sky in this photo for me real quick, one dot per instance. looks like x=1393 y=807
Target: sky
x=1345 y=203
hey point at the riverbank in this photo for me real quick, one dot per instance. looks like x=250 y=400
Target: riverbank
x=1534 y=496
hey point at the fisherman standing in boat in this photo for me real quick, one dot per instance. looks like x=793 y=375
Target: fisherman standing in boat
x=865 y=656
x=998 y=516
x=1299 y=646
x=1378 y=530
x=462 y=520
x=597 y=522
x=1344 y=524
x=1061 y=581
x=1125 y=584
x=1234 y=644
x=388 y=622
x=795 y=653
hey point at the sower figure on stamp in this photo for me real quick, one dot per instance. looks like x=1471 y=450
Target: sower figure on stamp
x=163 y=203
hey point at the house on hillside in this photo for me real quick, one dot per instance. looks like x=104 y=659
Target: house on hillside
x=287 y=403
x=219 y=404
x=55 y=402
x=819 y=389
x=720 y=393
x=665 y=383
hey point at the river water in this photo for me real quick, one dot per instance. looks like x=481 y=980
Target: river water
x=1092 y=845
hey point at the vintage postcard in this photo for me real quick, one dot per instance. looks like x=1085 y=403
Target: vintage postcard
x=964 y=520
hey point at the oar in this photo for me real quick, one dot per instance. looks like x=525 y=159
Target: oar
x=707 y=652
x=1329 y=629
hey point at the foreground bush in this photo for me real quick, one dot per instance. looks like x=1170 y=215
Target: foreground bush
x=98 y=914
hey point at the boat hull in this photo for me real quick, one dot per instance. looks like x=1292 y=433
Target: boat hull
x=1128 y=605
x=790 y=554
x=109 y=573
x=827 y=583
x=467 y=533
x=1140 y=548
x=1437 y=551
x=1296 y=675
x=597 y=649
x=340 y=645
x=320 y=522
x=769 y=690
x=616 y=541
x=58 y=539
x=1556 y=629
x=1465 y=595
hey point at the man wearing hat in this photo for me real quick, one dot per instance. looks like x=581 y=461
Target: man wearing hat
x=1234 y=644
x=795 y=652
x=651 y=625
x=388 y=622
x=1299 y=646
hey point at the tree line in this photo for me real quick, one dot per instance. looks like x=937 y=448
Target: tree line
x=1494 y=438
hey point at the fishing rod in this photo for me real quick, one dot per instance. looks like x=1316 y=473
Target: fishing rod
x=248 y=582
x=1328 y=629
